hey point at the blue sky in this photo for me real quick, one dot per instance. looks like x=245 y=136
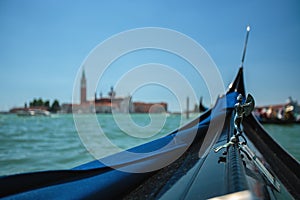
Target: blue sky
x=43 y=43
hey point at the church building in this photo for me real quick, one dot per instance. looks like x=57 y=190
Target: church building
x=110 y=103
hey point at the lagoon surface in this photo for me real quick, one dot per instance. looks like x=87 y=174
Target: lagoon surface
x=48 y=143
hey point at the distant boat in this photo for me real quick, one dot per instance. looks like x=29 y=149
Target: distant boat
x=202 y=108
x=279 y=114
x=33 y=112
x=278 y=121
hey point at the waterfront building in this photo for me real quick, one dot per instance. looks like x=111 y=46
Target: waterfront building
x=111 y=103
x=83 y=88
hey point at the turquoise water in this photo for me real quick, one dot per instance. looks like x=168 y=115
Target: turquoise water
x=288 y=136
x=45 y=143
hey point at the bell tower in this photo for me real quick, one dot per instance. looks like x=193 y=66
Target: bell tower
x=83 y=88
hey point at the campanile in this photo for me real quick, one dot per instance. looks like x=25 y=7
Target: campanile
x=83 y=88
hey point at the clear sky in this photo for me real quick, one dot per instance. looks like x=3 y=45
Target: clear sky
x=43 y=43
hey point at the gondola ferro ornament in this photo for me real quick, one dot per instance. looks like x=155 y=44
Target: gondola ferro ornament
x=242 y=110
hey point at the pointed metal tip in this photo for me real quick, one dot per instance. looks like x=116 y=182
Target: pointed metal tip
x=248 y=28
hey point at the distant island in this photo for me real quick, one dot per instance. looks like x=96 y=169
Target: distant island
x=38 y=105
x=100 y=104
x=108 y=104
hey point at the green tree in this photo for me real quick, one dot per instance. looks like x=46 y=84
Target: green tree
x=40 y=102
x=33 y=103
x=55 y=106
x=47 y=104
